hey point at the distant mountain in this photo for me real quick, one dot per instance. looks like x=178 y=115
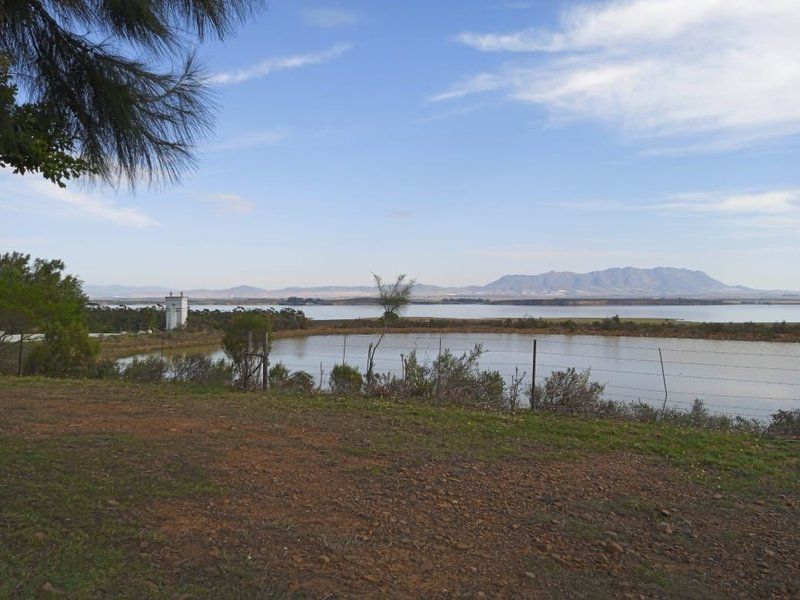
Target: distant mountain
x=627 y=282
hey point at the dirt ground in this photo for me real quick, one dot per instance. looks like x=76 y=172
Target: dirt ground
x=326 y=511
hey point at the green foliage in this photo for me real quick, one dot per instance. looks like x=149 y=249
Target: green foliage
x=345 y=380
x=450 y=379
x=245 y=327
x=281 y=379
x=93 y=104
x=786 y=423
x=114 y=319
x=199 y=368
x=151 y=369
x=36 y=297
x=67 y=350
x=34 y=138
x=568 y=392
x=393 y=299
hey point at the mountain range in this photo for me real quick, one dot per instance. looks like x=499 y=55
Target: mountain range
x=626 y=282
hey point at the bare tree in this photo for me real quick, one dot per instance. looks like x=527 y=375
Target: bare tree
x=393 y=299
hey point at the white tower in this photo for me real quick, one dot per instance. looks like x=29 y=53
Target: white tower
x=177 y=311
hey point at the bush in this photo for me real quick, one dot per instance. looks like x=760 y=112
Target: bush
x=146 y=370
x=198 y=368
x=785 y=422
x=346 y=380
x=106 y=368
x=280 y=378
x=450 y=379
x=66 y=351
x=569 y=392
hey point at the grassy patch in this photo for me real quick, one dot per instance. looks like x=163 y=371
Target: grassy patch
x=67 y=512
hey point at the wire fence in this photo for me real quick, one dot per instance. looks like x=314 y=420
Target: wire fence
x=748 y=379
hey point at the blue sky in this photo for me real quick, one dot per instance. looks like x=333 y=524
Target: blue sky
x=459 y=141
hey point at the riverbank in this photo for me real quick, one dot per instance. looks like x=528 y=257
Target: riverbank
x=118 y=490
x=665 y=328
x=124 y=345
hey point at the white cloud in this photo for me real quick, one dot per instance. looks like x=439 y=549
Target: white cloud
x=776 y=202
x=773 y=211
x=252 y=139
x=31 y=193
x=231 y=203
x=280 y=63
x=712 y=68
x=328 y=17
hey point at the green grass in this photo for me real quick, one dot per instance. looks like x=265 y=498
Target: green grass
x=67 y=509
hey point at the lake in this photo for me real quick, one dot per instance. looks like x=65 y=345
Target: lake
x=720 y=313
x=751 y=379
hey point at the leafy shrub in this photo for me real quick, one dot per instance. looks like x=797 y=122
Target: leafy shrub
x=569 y=392
x=450 y=379
x=146 y=370
x=106 y=368
x=198 y=368
x=280 y=378
x=346 y=380
x=66 y=351
x=785 y=422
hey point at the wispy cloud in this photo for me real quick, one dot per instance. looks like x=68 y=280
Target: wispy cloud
x=772 y=211
x=710 y=68
x=329 y=17
x=279 y=63
x=231 y=203
x=251 y=139
x=31 y=194
x=775 y=202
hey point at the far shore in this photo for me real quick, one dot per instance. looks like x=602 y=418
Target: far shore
x=116 y=346
x=450 y=301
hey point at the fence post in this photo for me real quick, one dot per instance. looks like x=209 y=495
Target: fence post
x=344 y=350
x=19 y=358
x=664 y=377
x=265 y=363
x=533 y=373
x=439 y=369
x=246 y=376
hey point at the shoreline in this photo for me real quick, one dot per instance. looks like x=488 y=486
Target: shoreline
x=118 y=346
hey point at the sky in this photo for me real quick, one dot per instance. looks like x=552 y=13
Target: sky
x=459 y=141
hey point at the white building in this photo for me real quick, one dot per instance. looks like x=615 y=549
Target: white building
x=177 y=311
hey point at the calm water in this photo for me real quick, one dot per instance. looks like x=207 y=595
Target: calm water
x=751 y=379
x=737 y=313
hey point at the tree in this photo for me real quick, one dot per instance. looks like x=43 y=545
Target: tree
x=393 y=299
x=36 y=297
x=246 y=334
x=93 y=104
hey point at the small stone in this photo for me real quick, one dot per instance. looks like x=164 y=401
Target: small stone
x=325 y=559
x=529 y=575
x=769 y=553
x=615 y=548
x=48 y=588
x=665 y=512
x=112 y=502
x=666 y=528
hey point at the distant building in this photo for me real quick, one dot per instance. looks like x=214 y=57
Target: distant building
x=177 y=311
